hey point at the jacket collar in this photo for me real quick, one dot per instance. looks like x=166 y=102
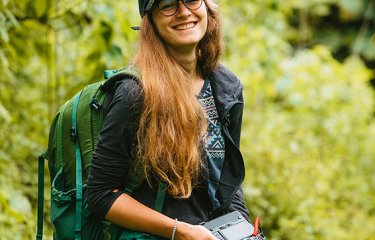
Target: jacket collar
x=226 y=88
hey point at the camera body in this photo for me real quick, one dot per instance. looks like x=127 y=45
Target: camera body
x=233 y=226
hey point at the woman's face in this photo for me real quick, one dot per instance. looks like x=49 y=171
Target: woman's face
x=184 y=29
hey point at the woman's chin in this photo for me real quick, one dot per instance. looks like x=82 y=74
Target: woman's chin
x=185 y=43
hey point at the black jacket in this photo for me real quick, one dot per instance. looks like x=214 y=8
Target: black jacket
x=227 y=92
x=113 y=155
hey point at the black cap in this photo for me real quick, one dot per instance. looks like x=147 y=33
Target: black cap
x=145 y=5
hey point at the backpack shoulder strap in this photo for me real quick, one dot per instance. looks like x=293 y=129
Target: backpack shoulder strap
x=159 y=201
x=135 y=179
x=113 y=76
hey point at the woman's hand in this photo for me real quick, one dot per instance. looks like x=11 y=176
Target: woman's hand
x=187 y=231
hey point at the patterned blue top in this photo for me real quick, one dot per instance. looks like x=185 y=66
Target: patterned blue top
x=213 y=140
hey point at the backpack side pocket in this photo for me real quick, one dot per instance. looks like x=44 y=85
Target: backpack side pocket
x=63 y=213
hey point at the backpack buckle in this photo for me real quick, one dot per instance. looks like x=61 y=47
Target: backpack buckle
x=73 y=134
x=94 y=104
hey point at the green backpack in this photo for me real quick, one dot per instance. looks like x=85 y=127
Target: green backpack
x=72 y=139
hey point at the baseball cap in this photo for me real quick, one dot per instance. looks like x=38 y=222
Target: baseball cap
x=145 y=5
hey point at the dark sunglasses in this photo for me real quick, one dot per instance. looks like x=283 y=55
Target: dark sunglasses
x=170 y=7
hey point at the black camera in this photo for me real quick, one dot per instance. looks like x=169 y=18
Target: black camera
x=233 y=226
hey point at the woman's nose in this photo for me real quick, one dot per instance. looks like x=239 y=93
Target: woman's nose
x=182 y=10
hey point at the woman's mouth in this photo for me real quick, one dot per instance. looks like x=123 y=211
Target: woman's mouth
x=185 y=26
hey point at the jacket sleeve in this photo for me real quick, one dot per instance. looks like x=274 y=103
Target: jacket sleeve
x=113 y=154
x=235 y=121
x=238 y=204
x=235 y=125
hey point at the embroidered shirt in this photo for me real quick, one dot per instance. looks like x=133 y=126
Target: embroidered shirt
x=213 y=140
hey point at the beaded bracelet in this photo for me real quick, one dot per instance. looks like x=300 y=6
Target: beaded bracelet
x=174 y=229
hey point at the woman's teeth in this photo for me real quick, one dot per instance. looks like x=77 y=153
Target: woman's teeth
x=185 y=26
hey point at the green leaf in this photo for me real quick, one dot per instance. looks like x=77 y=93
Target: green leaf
x=4 y=34
x=11 y=17
x=40 y=7
x=4 y=113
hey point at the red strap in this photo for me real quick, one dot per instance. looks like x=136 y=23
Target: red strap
x=256 y=226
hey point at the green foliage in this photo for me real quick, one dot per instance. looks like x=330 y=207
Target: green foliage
x=345 y=26
x=308 y=126
x=309 y=152
x=308 y=130
x=47 y=52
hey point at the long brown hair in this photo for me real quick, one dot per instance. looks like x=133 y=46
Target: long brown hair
x=172 y=121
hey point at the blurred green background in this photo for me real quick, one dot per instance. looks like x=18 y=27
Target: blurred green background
x=308 y=133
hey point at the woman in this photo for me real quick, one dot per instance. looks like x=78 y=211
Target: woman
x=182 y=121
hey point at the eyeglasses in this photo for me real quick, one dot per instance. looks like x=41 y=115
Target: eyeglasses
x=170 y=7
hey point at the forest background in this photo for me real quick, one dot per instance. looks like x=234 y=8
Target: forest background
x=308 y=132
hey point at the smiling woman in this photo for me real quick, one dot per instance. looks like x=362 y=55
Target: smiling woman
x=179 y=26
x=181 y=121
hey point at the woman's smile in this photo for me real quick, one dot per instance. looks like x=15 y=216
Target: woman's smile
x=185 y=26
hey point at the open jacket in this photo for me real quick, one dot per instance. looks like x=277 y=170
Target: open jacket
x=227 y=92
x=113 y=155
